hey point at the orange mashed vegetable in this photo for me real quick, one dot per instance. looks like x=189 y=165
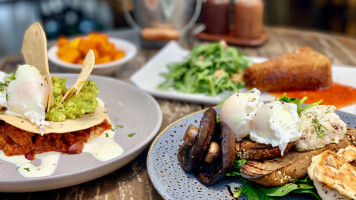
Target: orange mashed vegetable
x=76 y=50
x=14 y=141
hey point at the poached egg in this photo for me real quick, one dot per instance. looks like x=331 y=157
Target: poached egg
x=27 y=95
x=238 y=110
x=276 y=123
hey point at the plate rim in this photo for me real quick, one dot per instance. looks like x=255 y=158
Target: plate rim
x=159 y=135
x=138 y=147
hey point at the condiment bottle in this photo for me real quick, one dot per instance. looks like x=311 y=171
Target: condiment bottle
x=248 y=18
x=216 y=16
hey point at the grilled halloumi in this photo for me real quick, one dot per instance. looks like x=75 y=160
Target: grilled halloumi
x=334 y=171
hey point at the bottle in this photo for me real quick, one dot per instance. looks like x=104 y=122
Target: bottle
x=248 y=18
x=216 y=16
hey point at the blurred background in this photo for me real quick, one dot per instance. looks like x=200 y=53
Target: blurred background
x=73 y=17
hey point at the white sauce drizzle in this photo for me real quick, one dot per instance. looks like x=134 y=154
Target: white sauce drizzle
x=102 y=147
x=48 y=164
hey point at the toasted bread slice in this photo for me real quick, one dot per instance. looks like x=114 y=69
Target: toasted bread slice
x=250 y=150
x=292 y=165
x=303 y=69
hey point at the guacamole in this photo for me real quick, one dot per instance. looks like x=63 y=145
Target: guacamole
x=77 y=105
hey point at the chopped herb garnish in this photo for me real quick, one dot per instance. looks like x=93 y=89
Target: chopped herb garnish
x=131 y=134
x=218 y=118
x=119 y=126
x=319 y=128
x=106 y=135
x=113 y=129
x=12 y=76
x=27 y=169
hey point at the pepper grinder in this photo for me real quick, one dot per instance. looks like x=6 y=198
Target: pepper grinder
x=248 y=18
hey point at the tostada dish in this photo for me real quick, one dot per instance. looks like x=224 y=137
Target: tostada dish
x=41 y=116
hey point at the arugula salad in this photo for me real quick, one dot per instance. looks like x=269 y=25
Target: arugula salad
x=210 y=69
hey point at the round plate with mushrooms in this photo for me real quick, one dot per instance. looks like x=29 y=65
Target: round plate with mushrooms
x=174 y=181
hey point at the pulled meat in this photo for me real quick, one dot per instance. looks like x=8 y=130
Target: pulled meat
x=14 y=141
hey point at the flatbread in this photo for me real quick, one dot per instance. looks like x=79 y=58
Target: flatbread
x=34 y=50
x=69 y=125
x=83 y=76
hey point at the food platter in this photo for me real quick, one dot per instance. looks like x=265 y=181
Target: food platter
x=172 y=182
x=148 y=77
x=127 y=106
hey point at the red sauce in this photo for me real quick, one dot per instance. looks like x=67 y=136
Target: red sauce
x=14 y=141
x=338 y=95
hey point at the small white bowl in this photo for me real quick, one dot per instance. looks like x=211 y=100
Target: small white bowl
x=104 y=68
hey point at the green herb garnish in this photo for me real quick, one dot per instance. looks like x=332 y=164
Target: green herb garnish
x=27 y=169
x=210 y=69
x=298 y=102
x=119 y=126
x=131 y=134
x=106 y=135
x=319 y=128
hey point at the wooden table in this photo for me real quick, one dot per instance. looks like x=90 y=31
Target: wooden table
x=132 y=181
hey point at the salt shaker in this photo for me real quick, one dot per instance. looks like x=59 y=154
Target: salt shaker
x=216 y=16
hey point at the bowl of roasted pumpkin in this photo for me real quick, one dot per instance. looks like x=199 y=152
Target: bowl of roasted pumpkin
x=110 y=53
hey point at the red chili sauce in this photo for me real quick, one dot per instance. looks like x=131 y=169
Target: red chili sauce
x=14 y=141
x=338 y=95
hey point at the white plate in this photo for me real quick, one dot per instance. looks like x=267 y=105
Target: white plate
x=148 y=77
x=105 y=68
x=127 y=105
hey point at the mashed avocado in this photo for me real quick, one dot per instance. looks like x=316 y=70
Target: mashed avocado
x=77 y=105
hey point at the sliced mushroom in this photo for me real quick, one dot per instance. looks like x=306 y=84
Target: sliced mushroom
x=213 y=152
x=211 y=172
x=192 y=150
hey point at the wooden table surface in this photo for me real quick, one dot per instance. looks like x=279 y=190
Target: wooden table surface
x=132 y=181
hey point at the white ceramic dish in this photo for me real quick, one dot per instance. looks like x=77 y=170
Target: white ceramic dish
x=105 y=68
x=127 y=105
x=148 y=77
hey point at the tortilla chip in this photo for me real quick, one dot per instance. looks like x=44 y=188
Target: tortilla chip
x=83 y=76
x=69 y=125
x=34 y=50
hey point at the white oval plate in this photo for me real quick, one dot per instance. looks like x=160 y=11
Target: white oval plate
x=127 y=105
x=148 y=77
x=105 y=68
